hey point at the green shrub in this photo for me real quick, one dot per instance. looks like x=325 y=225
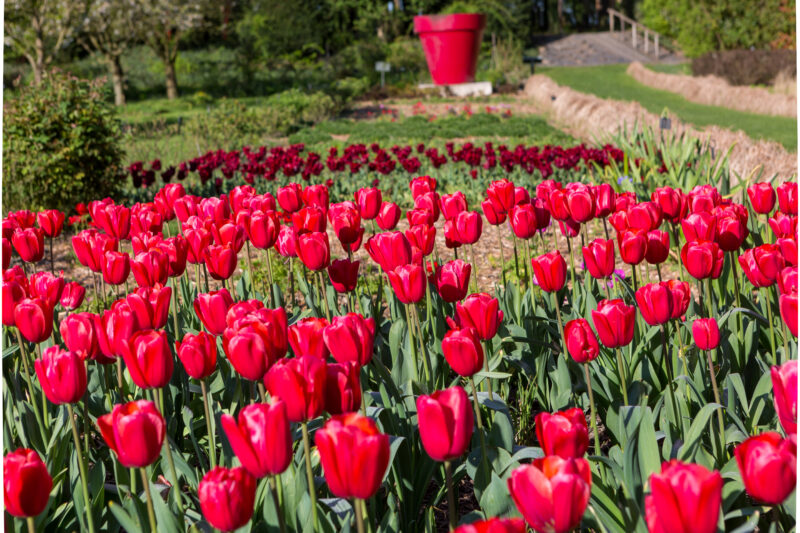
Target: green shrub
x=61 y=145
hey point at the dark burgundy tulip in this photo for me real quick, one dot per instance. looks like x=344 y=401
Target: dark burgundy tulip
x=46 y=286
x=290 y=197
x=452 y=280
x=481 y=312
x=452 y=204
x=314 y=250
x=762 y=264
x=343 y=274
x=150 y=306
x=221 y=261
x=501 y=195
x=657 y=249
x=29 y=244
x=369 y=202
x=580 y=202
x=703 y=259
x=762 y=197
x=388 y=216
x=300 y=383
x=26 y=483
x=469 y=226
x=787 y=197
x=522 y=219
x=604 y=200
x=632 y=246
x=150 y=268
x=342 y=388
x=305 y=337
x=493 y=216
x=211 y=308
x=655 y=303
x=263 y=228
x=699 y=227
x=51 y=222
x=550 y=270
x=463 y=352
x=116 y=267
x=670 y=201
x=599 y=258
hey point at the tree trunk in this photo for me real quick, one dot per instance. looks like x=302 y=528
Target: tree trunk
x=117 y=79
x=171 y=81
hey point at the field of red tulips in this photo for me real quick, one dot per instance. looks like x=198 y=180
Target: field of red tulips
x=290 y=360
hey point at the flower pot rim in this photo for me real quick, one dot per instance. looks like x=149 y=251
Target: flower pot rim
x=452 y=22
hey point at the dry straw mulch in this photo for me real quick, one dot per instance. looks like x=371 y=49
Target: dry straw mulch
x=590 y=118
x=711 y=90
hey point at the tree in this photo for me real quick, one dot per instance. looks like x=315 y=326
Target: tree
x=107 y=31
x=39 y=29
x=161 y=26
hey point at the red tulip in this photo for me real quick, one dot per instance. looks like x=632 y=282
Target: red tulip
x=501 y=194
x=369 y=202
x=309 y=219
x=494 y=525
x=354 y=455
x=550 y=270
x=263 y=229
x=261 y=438
x=451 y=237
x=148 y=358
x=220 y=261
x=762 y=264
x=34 y=319
x=420 y=216
x=290 y=197
x=211 y=308
x=317 y=196
x=90 y=246
x=522 y=219
x=72 y=296
x=557 y=204
x=670 y=201
x=684 y=498
x=313 y=250
x=452 y=204
x=421 y=185
x=13 y=294
x=227 y=497
x=300 y=382
x=552 y=493
x=150 y=268
x=452 y=280
x=445 y=421
x=346 y=222
x=655 y=303
x=463 y=352
x=492 y=214
x=150 y=306
x=177 y=250
x=599 y=258
x=581 y=342
x=185 y=207
x=789 y=251
x=51 y=222
x=784 y=385
x=703 y=259
x=114 y=220
x=657 y=249
x=480 y=312
x=705 y=332
x=62 y=375
x=604 y=200
x=343 y=274
x=389 y=250
x=580 y=201
x=116 y=328
x=614 y=322
x=29 y=244
x=198 y=353
x=408 y=282
x=166 y=197
x=46 y=286
x=731 y=228
x=430 y=201
x=632 y=246
x=469 y=226
x=569 y=228
x=116 y=266
x=253 y=343
x=762 y=197
x=350 y=338
x=788 y=309
x=6 y=253
x=135 y=431
x=699 y=227
x=388 y=216
x=563 y=433
x=26 y=483
x=198 y=240
x=680 y=294
x=645 y=216
x=80 y=332
x=305 y=337
x=783 y=226
x=229 y=234
x=787 y=197
x=342 y=388
x=145 y=218
x=768 y=464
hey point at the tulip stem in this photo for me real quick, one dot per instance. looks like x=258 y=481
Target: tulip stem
x=502 y=256
x=571 y=271
x=52 y=262
x=249 y=266
x=591 y=407
x=151 y=515
x=31 y=524
x=34 y=400
x=516 y=259
x=324 y=295
x=622 y=380
x=212 y=445
x=683 y=354
x=358 y=511
x=560 y=326
x=767 y=303
x=452 y=512
x=310 y=474
x=783 y=330
x=273 y=488
x=176 y=484
x=411 y=342
x=262 y=392
x=82 y=468
x=479 y=421
x=474 y=267
x=174 y=301
x=716 y=399
x=425 y=362
x=530 y=276
x=488 y=349
x=670 y=373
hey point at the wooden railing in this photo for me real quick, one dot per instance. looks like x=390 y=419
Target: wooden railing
x=636 y=29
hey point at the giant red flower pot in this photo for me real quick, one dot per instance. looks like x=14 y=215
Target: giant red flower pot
x=451 y=44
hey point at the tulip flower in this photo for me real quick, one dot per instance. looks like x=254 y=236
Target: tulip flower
x=90 y=246
x=783 y=226
x=261 y=437
x=148 y=358
x=317 y=196
x=705 y=332
x=481 y=312
x=632 y=246
x=150 y=267
x=198 y=354
x=135 y=431
x=581 y=342
x=350 y=338
x=346 y=222
x=408 y=282
x=452 y=280
x=762 y=197
x=46 y=286
x=493 y=216
x=116 y=266
x=354 y=455
x=300 y=383
x=220 y=260
x=644 y=216
x=51 y=222
x=657 y=249
x=114 y=220
x=494 y=525
x=580 y=202
x=343 y=274
x=421 y=185
x=768 y=463
x=522 y=219
x=762 y=264
x=13 y=294
x=684 y=498
x=599 y=258
x=29 y=244
x=117 y=325
x=250 y=348
x=72 y=296
x=469 y=226
x=227 y=497
x=569 y=228
x=787 y=197
x=703 y=259
x=211 y=308
x=290 y=197
x=564 y=433
x=430 y=202
x=655 y=303
x=34 y=319
x=342 y=388
x=501 y=194
x=150 y=306
x=422 y=238
x=263 y=229
x=789 y=251
x=62 y=375
x=80 y=332
x=313 y=250
x=389 y=250
x=305 y=337
x=462 y=350
x=6 y=253
x=699 y=227
x=388 y=216
x=552 y=493
x=614 y=322
x=177 y=250
x=445 y=423
x=784 y=385
x=550 y=270
x=369 y=202
x=26 y=483
x=198 y=240
x=731 y=229
x=670 y=201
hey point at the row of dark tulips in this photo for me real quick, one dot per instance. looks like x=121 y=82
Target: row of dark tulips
x=122 y=358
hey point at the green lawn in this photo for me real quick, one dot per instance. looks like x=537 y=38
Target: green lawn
x=611 y=81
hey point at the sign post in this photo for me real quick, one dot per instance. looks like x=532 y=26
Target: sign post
x=382 y=67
